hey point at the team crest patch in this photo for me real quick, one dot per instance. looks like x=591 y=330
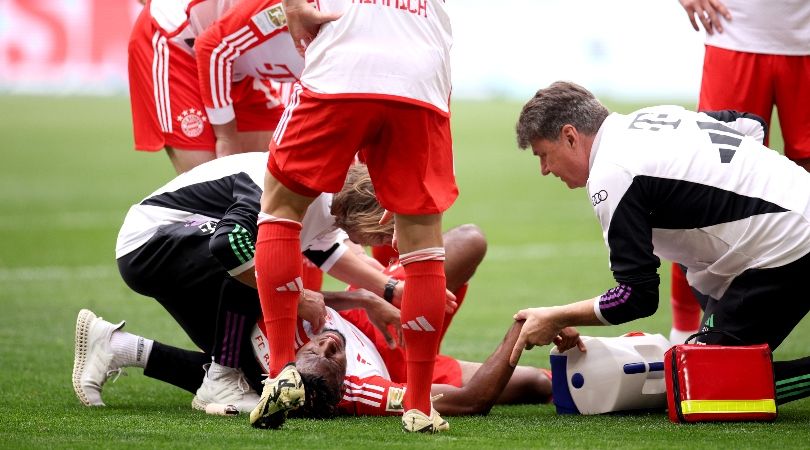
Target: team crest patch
x=395 y=398
x=270 y=19
x=192 y=122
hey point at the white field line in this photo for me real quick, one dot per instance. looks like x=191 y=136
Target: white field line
x=69 y=220
x=57 y=273
x=531 y=252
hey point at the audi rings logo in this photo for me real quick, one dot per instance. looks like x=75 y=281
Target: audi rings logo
x=599 y=197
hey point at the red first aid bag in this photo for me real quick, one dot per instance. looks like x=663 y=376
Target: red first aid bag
x=717 y=383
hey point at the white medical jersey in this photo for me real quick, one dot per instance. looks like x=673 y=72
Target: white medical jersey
x=681 y=185
x=224 y=195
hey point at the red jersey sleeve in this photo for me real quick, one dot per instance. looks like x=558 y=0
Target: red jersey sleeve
x=371 y=396
x=248 y=24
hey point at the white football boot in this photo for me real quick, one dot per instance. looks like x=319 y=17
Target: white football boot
x=93 y=357
x=415 y=421
x=226 y=386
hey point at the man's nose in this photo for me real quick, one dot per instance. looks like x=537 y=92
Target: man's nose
x=329 y=347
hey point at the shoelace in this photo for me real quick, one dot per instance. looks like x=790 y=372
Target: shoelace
x=239 y=379
x=118 y=372
x=242 y=382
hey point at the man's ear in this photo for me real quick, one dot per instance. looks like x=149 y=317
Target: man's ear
x=569 y=134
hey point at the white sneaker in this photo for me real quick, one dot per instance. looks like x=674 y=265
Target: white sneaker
x=227 y=386
x=415 y=421
x=280 y=395
x=93 y=357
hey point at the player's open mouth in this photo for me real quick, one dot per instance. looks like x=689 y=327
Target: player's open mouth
x=335 y=337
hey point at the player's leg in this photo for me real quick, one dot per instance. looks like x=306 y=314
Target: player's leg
x=422 y=312
x=258 y=108
x=302 y=164
x=465 y=247
x=686 y=310
x=736 y=80
x=279 y=282
x=167 y=110
x=278 y=267
x=411 y=167
x=176 y=268
x=226 y=381
x=792 y=98
x=185 y=160
x=103 y=349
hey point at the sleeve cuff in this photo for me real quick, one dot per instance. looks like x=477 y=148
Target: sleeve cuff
x=334 y=257
x=219 y=116
x=598 y=311
x=241 y=268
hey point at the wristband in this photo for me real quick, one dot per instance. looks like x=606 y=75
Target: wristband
x=388 y=292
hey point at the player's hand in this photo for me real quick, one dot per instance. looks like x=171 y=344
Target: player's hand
x=568 y=338
x=312 y=309
x=540 y=328
x=304 y=21
x=708 y=12
x=385 y=317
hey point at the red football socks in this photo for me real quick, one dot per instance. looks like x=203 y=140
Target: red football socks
x=278 y=276
x=685 y=307
x=422 y=316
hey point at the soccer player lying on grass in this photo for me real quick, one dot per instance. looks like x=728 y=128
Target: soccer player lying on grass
x=102 y=349
x=354 y=362
x=189 y=245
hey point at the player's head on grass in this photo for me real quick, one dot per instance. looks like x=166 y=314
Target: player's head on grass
x=322 y=365
x=559 y=123
x=358 y=212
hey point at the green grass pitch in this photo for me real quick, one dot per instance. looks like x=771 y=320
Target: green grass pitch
x=67 y=177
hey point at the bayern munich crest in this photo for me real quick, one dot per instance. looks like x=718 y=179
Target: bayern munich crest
x=192 y=122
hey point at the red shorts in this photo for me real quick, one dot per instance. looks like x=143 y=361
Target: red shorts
x=446 y=371
x=753 y=82
x=167 y=108
x=408 y=150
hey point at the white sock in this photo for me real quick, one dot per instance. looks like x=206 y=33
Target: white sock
x=677 y=336
x=130 y=350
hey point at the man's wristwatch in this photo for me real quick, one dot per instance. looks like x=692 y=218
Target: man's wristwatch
x=388 y=292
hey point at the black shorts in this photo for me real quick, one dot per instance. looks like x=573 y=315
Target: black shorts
x=176 y=268
x=760 y=306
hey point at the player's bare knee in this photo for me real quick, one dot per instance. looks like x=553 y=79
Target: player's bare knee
x=471 y=238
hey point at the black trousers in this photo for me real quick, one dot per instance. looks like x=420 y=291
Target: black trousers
x=176 y=268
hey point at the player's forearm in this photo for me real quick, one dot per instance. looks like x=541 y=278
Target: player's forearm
x=482 y=391
x=352 y=270
x=343 y=300
x=576 y=314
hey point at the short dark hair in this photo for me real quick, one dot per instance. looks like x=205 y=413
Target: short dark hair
x=552 y=108
x=320 y=400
